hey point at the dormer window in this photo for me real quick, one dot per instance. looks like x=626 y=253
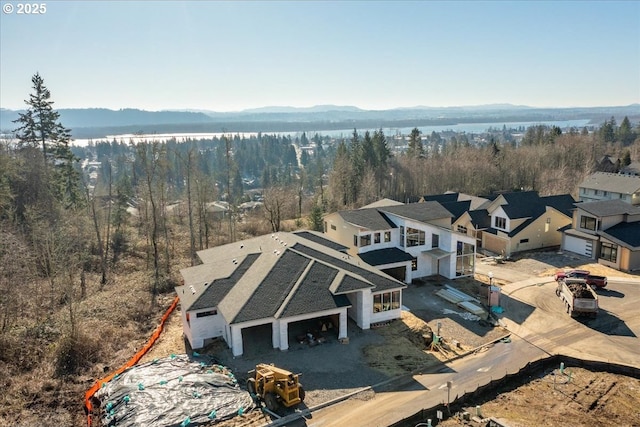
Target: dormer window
x=588 y=223
x=500 y=222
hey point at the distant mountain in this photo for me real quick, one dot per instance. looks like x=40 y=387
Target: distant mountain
x=99 y=122
x=314 y=109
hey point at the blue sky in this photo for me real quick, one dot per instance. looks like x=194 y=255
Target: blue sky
x=227 y=56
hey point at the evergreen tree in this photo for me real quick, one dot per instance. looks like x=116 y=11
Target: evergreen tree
x=40 y=127
x=315 y=218
x=625 y=134
x=416 y=148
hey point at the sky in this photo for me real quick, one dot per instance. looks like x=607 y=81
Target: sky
x=229 y=56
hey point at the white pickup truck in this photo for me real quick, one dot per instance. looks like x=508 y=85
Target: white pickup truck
x=578 y=297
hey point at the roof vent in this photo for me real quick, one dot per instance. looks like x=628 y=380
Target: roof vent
x=277 y=253
x=206 y=283
x=273 y=235
x=193 y=290
x=275 y=250
x=234 y=261
x=241 y=246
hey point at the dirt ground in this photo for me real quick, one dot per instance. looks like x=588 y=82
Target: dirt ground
x=576 y=398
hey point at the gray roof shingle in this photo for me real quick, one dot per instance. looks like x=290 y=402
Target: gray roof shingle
x=625 y=232
x=604 y=208
x=313 y=293
x=616 y=183
x=370 y=219
x=321 y=240
x=385 y=256
x=422 y=212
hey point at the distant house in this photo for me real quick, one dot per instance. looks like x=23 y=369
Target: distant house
x=610 y=186
x=406 y=241
x=519 y=221
x=276 y=282
x=607 y=230
x=607 y=164
x=632 y=168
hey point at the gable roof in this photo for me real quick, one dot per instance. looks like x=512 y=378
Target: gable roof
x=616 y=183
x=441 y=198
x=602 y=208
x=632 y=168
x=480 y=219
x=369 y=218
x=563 y=203
x=382 y=202
x=317 y=238
x=625 y=233
x=276 y=275
x=457 y=208
x=421 y=212
x=521 y=204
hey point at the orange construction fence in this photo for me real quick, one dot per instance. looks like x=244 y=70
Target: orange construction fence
x=131 y=362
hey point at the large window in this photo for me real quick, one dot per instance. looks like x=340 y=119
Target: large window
x=435 y=240
x=207 y=313
x=386 y=301
x=415 y=237
x=609 y=252
x=588 y=223
x=387 y=236
x=376 y=237
x=402 y=236
x=365 y=240
x=500 y=222
x=462 y=229
x=464 y=259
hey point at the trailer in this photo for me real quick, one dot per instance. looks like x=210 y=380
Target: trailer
x=578 y=297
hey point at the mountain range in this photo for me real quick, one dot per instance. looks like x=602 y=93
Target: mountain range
x=99 y=122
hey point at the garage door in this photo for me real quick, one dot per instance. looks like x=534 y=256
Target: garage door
x=578 y=245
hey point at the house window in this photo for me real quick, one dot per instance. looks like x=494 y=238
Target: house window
x=386 y=301
x=325 y=226
x=622 y=196
x=583 y=191
x=597 y=192
x=435 y=240
x=365 y=240
x=415 y=237
x=464 y=259
x=588 y=223
x=501 y=222
x=414 y=264
x=548 y=220
x=333 y=227
x=606 y=193
x=355 y=240
x=462 y=229
x=376 y=237
x=387 y=236
x=609 y=252
x=207 y=313
x=402 y=236
x=524 y=240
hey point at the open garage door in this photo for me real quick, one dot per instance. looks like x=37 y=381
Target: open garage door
x=397 y=272
x=312 y=332
x=257 y=339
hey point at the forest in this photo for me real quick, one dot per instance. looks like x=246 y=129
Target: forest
x=93 y=237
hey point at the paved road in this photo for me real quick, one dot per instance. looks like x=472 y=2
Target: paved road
x=540 y=327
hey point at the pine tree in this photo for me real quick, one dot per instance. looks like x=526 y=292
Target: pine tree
x=416 y=148
x=40 y=126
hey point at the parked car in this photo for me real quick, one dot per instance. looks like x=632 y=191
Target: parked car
x=592 y=280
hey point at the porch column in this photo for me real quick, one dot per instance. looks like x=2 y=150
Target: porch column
x=407 y=274
x=275 y=334
x=236 y=340
x=343 y=324
x=284 y=335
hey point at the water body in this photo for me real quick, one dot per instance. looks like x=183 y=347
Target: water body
x=342 y=133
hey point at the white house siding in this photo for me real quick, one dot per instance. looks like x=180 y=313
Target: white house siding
x=186 y=329
x=202 y=328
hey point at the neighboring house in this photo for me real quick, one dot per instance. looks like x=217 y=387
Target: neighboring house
x=607 y=164
x=519 y=221
x=632 y=168
x=274 y=281
x=475 y=202
x=610 y=186
x=608 y=231
x=406 y=241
